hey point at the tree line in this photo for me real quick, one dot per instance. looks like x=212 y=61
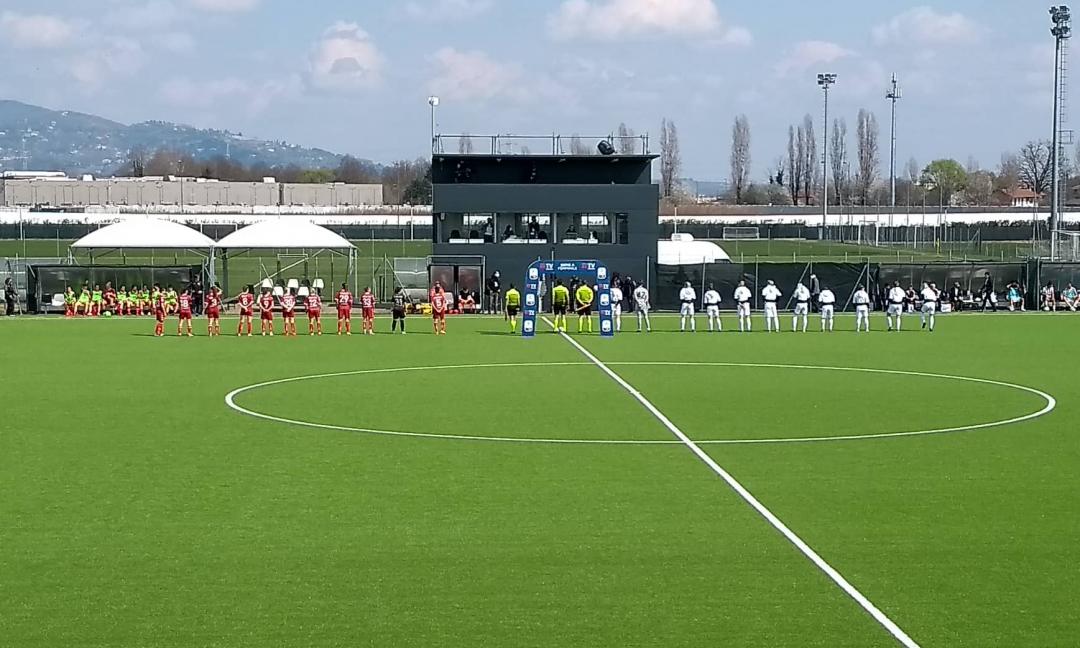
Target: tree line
x=404 y=181
x=859 y=176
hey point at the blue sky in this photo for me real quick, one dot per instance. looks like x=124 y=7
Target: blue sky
x=353 y=76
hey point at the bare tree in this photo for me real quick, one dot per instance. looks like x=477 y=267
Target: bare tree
x=1034 y=166
x=465 y=144
x=838 y=161
x=740 y=156
x=794 y=164
x=670 y=160
x=625 y=142
x=867 y=135
x=810 y=160
x=913 y=173
x=577 y=146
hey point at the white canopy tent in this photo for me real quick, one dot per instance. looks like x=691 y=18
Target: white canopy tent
x=682 y=249
x=288 y=233
x=145 y=234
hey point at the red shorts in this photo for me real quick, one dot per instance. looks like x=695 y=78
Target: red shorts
x=246 y=312
x=159 y=315
x=288 y=314
x=369 y=313
x=314 y=314
x=344 y=313
x=185 y=315
x=437 y=315
x=267 y=316
x=213 y=313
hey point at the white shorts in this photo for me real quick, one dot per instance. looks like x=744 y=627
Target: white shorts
x=744 y=309
x=712 y=311
x=929 y=308
x=862 y=309
x=896 y=310
x=616 y=309
x=827 y=310
x=802 y=309
x=686 y=309
x=643 y=309
x=770 y=309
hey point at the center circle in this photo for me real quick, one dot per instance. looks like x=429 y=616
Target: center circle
x=578 y=416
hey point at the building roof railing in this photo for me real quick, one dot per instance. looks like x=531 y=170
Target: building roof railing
x=466 y=144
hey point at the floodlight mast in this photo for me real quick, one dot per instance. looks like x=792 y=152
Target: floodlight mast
x=825 y=80
x=893 y=94
x=433 y=101
x=1061 y=31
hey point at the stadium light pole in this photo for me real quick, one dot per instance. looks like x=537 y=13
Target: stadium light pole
x=433 y=101
x=893 y=95
x=825 y=80
x=1061 y=31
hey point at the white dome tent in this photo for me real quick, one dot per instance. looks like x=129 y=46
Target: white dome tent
x=682 y=249
x=145 y=234
x=287 y=233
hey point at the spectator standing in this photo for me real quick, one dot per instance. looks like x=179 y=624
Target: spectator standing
x=988 y=293
x=11 y=296
x=198 y=295
x=815 y=292
x=494 y=293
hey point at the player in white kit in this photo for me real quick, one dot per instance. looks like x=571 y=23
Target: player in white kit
x=712 y=308
x=641 y=305
x=770 y=293
x=861 y=299
x=930 y=297
x=896 y=298
x=827 y=300
x=616 y=307
x=687 y=298
x=742 y=304
x=802 y=307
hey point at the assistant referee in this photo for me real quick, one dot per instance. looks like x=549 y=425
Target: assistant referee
x=512 y=304
x=584 y=296
x=560 y=302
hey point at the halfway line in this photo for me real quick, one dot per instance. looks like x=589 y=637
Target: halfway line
x=749 y=498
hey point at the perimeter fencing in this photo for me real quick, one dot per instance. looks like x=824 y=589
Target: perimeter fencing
x=72 y=231
x=844 y=278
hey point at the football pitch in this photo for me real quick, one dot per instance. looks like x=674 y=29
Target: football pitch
x=479 y=489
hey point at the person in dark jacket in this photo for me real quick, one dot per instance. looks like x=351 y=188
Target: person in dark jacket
x=988 y=293
x=815 y=292
x=11 y=295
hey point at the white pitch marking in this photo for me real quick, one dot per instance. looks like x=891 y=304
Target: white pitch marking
x=230 y=400
x=749 y=498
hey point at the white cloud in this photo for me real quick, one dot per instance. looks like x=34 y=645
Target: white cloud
x=224 y=6
x=608 y=20
x=808 y=54
x=256 y=96
x=345 y=59
x=36 y=31
x=154 y=14
x=923 y=25
x=474 y=76
x=435 y=10
x=116 y=56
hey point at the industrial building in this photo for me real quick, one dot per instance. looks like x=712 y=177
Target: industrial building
x=51 y=190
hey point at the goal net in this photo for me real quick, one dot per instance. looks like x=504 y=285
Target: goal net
x=741 y=233
x=1068 y=246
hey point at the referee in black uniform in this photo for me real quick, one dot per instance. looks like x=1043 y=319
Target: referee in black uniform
x=11 y=295
x=397 y=309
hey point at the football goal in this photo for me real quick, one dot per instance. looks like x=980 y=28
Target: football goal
x=741 y=233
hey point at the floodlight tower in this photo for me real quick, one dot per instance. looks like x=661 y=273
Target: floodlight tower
x=433 y=101
x=893 y=94
x=1061 y=31
x=825 y=80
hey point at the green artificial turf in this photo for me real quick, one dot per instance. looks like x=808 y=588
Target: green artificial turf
x=137 y=509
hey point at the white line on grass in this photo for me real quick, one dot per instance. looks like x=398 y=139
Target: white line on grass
x=749 y=498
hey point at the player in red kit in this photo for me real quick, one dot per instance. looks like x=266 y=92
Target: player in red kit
x=344 y=310
x=266 y=311
x=183 y=312
x=213 y=311
x=159 y=312
x=367 y=309
x=288 y=311
x=314 y=313
x=438 y=309
x=246 y=302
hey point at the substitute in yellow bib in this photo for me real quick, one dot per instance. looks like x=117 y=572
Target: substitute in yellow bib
x=584 y=297
x=560 y=303
x=512 y=300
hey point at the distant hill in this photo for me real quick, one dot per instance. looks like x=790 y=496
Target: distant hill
x=40 y=139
